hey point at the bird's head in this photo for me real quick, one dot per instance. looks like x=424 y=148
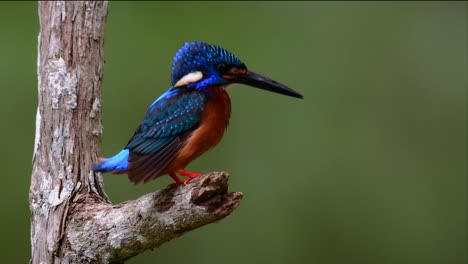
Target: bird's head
x=198 y=65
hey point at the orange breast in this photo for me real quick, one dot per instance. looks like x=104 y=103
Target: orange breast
x=214 y=122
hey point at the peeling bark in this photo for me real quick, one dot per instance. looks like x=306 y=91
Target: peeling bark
x=72 y=219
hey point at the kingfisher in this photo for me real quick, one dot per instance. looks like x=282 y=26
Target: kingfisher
x=188 y=119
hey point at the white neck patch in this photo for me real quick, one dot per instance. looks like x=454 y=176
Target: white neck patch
x=189 y=78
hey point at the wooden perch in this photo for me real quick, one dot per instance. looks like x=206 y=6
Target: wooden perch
x=72 y=219
x=112 y=233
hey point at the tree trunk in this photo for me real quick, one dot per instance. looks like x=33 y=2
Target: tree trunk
x=72 y=219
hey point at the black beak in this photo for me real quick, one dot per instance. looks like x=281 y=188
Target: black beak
x=262 y=82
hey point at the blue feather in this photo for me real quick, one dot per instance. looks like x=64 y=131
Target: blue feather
x=116 y=163
x=175 y=113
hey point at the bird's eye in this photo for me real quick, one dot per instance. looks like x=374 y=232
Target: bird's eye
x=222 y=67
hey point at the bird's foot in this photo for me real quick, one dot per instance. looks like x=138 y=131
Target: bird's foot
x=191 y=175
x=175 y=178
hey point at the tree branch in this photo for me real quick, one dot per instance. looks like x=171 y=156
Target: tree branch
x=127 y=229
x=72 y=219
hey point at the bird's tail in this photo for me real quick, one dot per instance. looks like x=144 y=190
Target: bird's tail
x=115 y=164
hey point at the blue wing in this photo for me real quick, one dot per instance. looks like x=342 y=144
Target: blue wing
x=163 y=132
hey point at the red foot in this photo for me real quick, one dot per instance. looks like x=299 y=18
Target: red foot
x=175 y=178
x=191 y=175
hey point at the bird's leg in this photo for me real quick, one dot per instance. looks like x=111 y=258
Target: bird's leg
x=175 y=178
x=189 y=174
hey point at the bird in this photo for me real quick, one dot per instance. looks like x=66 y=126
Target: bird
x=189 y=118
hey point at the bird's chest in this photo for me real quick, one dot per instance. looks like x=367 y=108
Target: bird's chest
x=213 y=123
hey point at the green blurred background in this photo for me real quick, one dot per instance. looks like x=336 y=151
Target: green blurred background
x=369 y=168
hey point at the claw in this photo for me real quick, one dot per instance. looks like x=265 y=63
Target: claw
x=175 y=178
x=191 y=175
x=187 y=180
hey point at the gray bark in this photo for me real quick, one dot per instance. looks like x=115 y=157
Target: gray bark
x=72 y=219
